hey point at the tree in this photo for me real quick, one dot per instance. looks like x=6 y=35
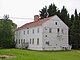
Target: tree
x=7 y=29
x=79 y=29
x=72 y=18
x=52 y=10
x=58 y=13
x=43 y=12
x=47 y=12
x=75 y=32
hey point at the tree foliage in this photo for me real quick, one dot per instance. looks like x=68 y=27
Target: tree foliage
x=52 y=10
x=7 y=29
x=75 y=31
x=43 y=12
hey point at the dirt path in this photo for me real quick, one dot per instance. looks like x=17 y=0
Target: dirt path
x=6 y=56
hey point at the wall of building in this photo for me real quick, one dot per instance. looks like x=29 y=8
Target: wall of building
x=57 y=41
x=30 y=36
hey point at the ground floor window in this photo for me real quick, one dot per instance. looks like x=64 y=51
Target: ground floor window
x=24 y=40
x=33 y=41
x=47 y=42
x=16 y=41
x=37 y=41
x=30 y=41
x=19 y=41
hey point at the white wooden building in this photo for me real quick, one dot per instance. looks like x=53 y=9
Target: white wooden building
x=43 y=34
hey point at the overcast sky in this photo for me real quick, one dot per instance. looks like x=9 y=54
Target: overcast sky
x=29 y=8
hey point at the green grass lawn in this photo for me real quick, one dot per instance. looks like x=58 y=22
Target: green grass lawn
x=41 y=55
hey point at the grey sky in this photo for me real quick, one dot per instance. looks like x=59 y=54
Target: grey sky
x=29 y=8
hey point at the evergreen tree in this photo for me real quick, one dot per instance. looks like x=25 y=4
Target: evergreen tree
x=58 y=13
x=52 y=10
x=75 y=32
x=72 y=18
x=79 y=29
x=43 y=12
x=65 y=16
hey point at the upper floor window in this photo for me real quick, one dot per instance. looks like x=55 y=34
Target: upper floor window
x=38 y=30
x=24 y=32
x=55 y=23
x=27 y=31
x=33 y=31
x=19 y=32
x=50 y=30
x=16 y=33
x=27 y=28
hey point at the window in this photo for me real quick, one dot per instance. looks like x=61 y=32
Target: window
x=30 y=41
x=19 y=32
x=33 y=31
x=62 y=31
x=38 y=30
x=24 y=32
x=16 y=41
x=50 y=30
x=45 y=35
x=56 y=44
x=58 y=30
x=24 y=40
x=55 y=23
x=27 y=31
x=16 y=33
x=45 y=28
x=19 y=41
x=33 y=41
x=27 y=28
x=47 y=42
x=37 y=41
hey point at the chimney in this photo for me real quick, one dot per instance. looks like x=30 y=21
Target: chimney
x=36 y=17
